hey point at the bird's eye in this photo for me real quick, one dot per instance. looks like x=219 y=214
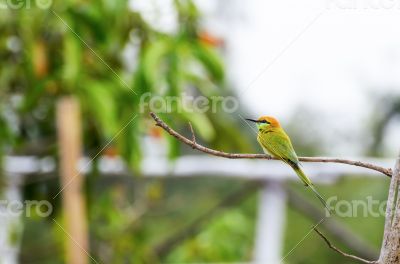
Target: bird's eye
x=264 y=122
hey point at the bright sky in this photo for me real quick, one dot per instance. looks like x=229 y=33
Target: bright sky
x=284 y=54
x=331 y=55
x=331 y=60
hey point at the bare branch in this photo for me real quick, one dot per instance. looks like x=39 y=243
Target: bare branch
x=195 y=145
x=330 y=245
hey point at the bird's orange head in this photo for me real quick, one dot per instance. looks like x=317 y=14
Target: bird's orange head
x=266 y=121
x=269 y=120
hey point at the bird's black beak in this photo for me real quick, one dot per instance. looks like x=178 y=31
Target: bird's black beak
x=252 y=120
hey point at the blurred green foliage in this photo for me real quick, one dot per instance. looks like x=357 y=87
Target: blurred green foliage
x=77 y=48
x=131 y=216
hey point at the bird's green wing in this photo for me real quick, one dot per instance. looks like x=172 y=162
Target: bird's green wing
x=280 y=146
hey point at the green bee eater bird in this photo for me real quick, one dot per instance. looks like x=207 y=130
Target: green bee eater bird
x=274 y=141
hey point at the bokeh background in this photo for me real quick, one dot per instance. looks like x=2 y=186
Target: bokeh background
x=328 y=70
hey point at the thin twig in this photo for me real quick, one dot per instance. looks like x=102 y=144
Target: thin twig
x=193 y=135
x=204 y=149
x=330 y=245
x=346 y=236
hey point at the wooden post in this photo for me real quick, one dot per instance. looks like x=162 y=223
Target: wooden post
x=70 y=147
x=390 y=251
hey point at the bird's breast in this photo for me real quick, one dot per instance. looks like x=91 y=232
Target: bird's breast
x=262 y=141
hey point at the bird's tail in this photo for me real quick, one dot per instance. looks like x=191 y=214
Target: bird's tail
x=308 y=183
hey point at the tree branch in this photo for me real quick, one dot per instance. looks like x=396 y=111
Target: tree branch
x=195 y=145
x=330 y=245
x=340 y=232
x=390 y=250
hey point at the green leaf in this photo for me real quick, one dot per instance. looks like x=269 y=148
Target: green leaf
x=173 y=146
x=129 y=144
x=152 y=61
x=210 y=60
x=99 y=99
x=72 y=60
